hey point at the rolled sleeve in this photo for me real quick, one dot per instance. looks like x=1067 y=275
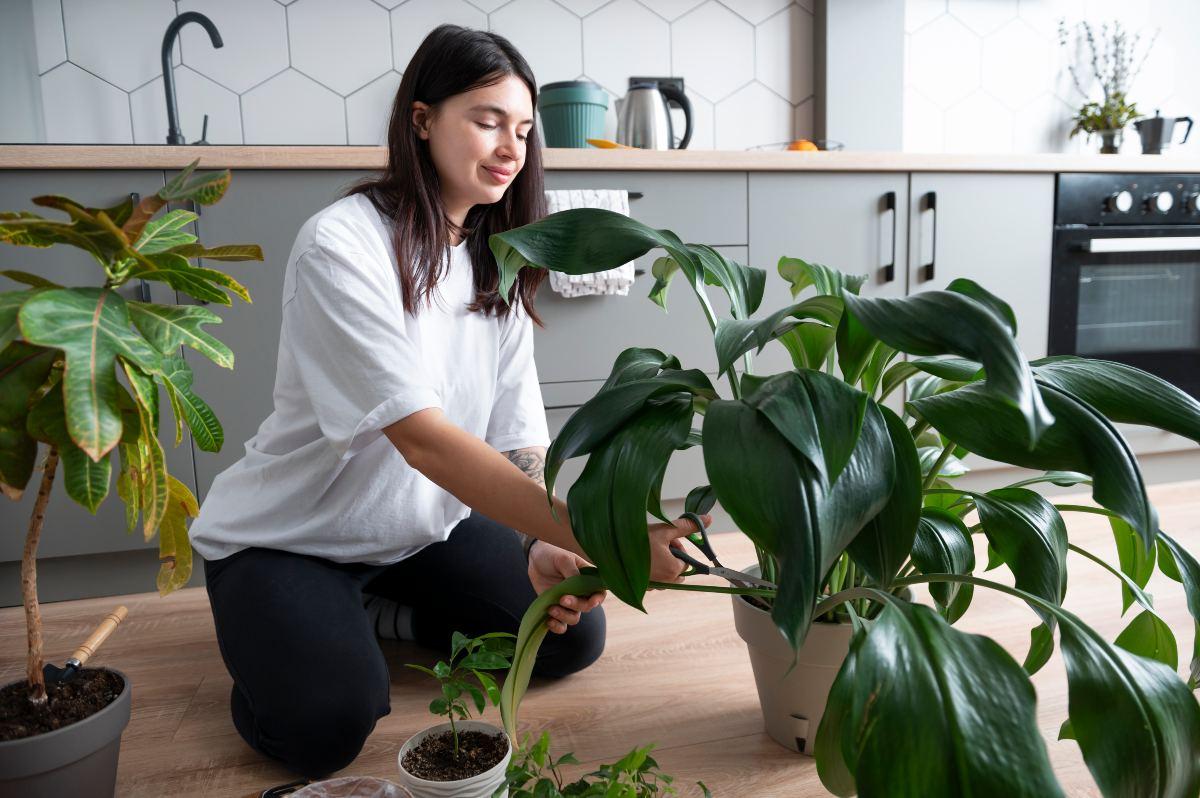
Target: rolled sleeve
x=349 y=338
x=518 y=417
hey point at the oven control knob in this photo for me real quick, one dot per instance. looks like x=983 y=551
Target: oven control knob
x=1193 y=203
x=1120 y=202
x=1160 y=202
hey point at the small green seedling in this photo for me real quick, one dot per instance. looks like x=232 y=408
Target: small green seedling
x=535 y=774
x=489 y=652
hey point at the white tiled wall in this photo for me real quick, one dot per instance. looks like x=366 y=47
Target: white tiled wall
x=326 y=71
x=990 y=76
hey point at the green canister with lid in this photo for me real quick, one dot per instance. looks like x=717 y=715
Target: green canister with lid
x=572 y=112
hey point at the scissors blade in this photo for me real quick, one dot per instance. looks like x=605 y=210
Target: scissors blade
x=737 y=576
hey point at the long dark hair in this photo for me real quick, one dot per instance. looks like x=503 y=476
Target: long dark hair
x=450 y=61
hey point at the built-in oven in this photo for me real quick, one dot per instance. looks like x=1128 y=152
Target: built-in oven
x=1125 y=275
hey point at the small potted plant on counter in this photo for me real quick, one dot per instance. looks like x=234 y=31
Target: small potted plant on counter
x=1112 y=66
x=62 y=351
x=849 y=503
x=462 y=758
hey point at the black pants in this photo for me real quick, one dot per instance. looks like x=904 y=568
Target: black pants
x=309 y=678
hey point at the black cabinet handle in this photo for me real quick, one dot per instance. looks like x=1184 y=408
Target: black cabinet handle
x=196 y=210
x=930 y=202
x=889 y=204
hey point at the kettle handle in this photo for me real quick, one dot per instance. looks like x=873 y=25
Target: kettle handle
x=1188 y=119
x=673 y=94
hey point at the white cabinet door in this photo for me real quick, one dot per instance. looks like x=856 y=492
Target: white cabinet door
x=995 y=229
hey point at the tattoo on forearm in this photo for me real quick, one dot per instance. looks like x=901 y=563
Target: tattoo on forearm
x=531 y=460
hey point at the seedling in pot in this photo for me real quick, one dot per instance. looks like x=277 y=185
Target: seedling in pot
x=465 y=677
x=538 y=775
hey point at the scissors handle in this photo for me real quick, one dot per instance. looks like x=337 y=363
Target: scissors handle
x=702 y=543
x=680 y=554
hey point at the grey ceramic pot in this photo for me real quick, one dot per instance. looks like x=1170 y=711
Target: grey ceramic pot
x=79 y=760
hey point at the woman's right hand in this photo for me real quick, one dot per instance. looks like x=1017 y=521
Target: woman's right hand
x=664 y=567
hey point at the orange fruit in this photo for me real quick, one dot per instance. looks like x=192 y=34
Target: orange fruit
x=802 y=145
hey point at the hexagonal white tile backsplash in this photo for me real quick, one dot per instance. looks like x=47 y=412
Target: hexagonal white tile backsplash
x=325 y=71
x=989 y=75
x=979 y=74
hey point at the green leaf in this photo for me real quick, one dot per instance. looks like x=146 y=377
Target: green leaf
x=86 y=481
x=855 y=347
x=945 y=322
x=166 y=232
x=226 y=252
x=743 y=284
x=92 y=327
x=23 y=369
x=1136 y=562
x=953 y=707
x=1029 y=534
x=610 y=409
x=489 y=684
x=735 y=337
x=1041 y=647
x=607 y=503
x=458 y=641
x=167 y=327
x=205 y=189
x=18 y=454
x=484 y=660
x=1123 y=393
x=995 y=304
x=886 y=541
x=174 y=548
x=943 y=546
x=1081 y=440
x=827 y=282
x=29 y=279
x=1149 y=636
x=10 y=306
x=808 y=345
x=206 y=429
x=1178 y=564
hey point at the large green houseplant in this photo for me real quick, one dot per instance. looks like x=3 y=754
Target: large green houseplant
x=62 y=350
x=848 y=503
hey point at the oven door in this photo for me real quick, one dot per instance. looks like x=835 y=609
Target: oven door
x=1130 y=294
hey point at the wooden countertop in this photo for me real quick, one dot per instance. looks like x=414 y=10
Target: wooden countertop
x=136 y=156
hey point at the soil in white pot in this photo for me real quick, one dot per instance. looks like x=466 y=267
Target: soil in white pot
x=433 y=758
x=90 y=691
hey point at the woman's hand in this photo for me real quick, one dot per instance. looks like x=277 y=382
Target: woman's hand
x=664 y=567
x=549 y=565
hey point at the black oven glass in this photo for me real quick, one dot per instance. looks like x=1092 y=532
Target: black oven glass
x=1137 y=307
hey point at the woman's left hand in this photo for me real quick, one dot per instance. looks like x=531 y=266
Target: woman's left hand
x=549 y=565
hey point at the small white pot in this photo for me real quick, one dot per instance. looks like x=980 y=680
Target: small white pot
x=478 y=786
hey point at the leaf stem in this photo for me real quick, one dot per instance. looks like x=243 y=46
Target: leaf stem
x=937 y=466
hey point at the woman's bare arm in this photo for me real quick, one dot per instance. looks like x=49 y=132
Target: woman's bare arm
x=504 y=488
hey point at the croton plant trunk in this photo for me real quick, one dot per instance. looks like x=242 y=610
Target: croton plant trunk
x=33 y=616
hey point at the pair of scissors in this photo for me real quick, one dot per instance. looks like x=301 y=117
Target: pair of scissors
x=700 y=540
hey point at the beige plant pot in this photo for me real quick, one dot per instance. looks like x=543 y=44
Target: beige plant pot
x=792 y=703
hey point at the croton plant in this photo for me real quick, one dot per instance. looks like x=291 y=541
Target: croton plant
x=848 y=503
x=64 y=349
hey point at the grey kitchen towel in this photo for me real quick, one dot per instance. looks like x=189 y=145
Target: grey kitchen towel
x=613 y=281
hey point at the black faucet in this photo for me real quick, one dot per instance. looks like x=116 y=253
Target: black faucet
x=174 y=136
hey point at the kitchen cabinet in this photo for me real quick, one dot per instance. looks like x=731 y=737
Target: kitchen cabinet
x=995 y=229
x=70 y=529
x=583 y=335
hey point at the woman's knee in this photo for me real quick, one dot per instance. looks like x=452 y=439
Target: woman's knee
x=318 y=733
x=571 y=652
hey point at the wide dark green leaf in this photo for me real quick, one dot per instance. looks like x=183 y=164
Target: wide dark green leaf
x=166 y=327
x=1030 y=536
x=943 y=546
x=808 y=345
x=1149 y=636
x=637 y=363
x=1123 y=393
x=886 y=541
x=1081 y=440
x=23 y=369
x=768 y=488
x=206 y=429
x=1136 y=562
x=608 y=410
x=855 y=347
x=835 y=774
x=1177 y=563
x=734 y=337
x=926 y=710
x=945 y=322
x=92 y=327
x=995 y=304
x=18 y=454
x=607 y=503
x=743 y=284
x=10 y=306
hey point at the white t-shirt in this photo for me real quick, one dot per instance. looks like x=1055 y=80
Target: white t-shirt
x=320 y=477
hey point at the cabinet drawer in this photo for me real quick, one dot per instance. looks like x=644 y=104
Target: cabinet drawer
x=705 y=208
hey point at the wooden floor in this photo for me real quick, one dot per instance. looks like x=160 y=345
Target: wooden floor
x=678 y=677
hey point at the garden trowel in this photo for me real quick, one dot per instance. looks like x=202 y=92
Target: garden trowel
x=54 y=674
